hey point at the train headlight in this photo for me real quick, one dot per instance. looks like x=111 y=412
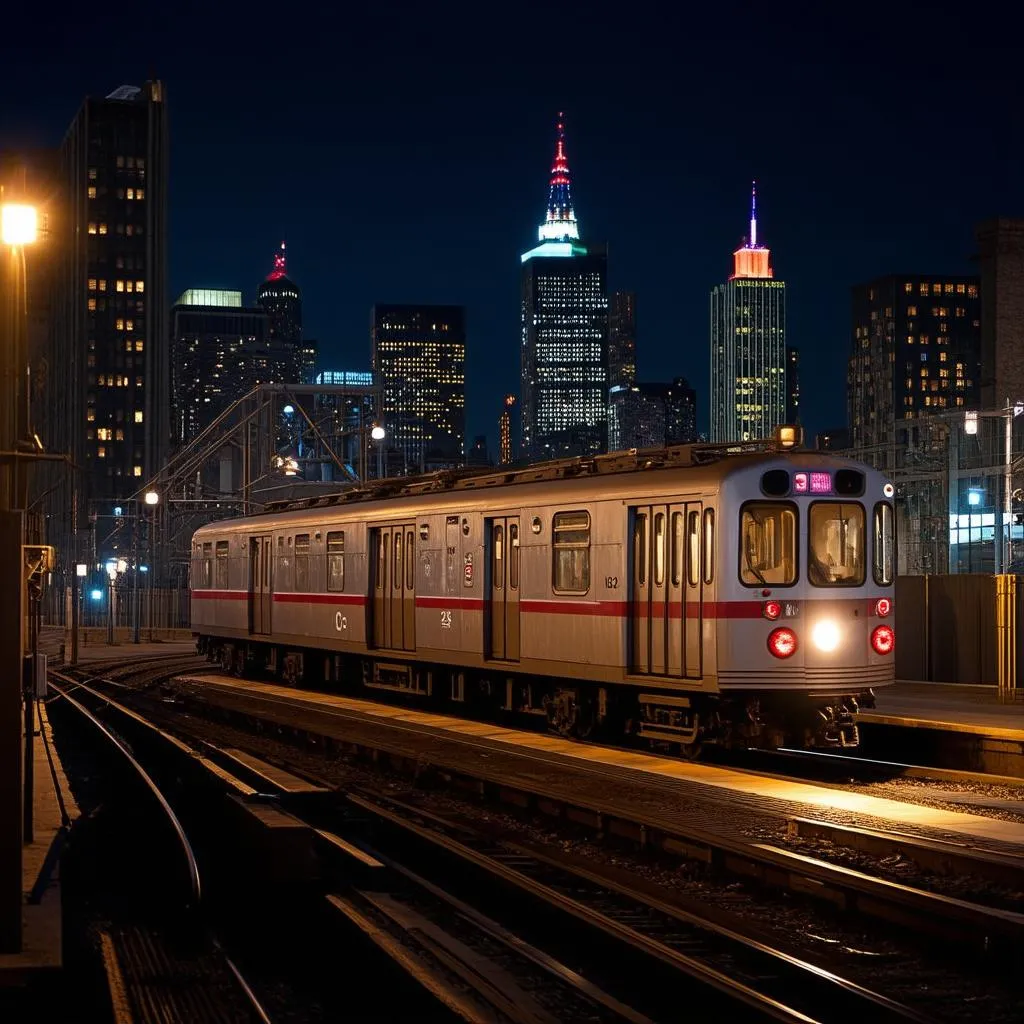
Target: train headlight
x=782 y=642
x=883 y=639
x=825 y=635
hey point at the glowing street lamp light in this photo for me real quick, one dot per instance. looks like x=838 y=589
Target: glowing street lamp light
x=378 y=433
x=18 y=224
x=152 y=498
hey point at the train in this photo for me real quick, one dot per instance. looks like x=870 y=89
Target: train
x=739 y=595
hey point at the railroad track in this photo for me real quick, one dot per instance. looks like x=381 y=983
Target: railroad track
x=415 y=929
x=145 y=968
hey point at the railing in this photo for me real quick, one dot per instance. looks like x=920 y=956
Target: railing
x=159 y=609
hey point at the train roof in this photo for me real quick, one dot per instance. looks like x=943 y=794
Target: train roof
x=706 y=464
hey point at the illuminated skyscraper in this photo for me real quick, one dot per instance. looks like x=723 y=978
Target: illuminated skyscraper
x=564 y=331
x=748 y=346
x=419 y=353
x=281 y=299
x=505 y=431
x=107 y=391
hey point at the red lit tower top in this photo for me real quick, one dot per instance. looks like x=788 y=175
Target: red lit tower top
x=560 y=220
x=279 y=270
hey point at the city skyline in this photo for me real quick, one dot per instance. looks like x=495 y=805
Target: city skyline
x=424 y=189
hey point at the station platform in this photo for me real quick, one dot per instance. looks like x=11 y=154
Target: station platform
x=953 y=725
x=54 y=811
x=636 y=779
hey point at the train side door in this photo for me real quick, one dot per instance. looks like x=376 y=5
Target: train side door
x=380 y=584
x=658 y=605
x=393 y=587
x=503 y=588
x=260 y=597
x=693 y=605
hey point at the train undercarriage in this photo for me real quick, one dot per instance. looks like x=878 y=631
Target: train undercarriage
x=679 y=723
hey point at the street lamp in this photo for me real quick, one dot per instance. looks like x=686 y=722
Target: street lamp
x=378 y=433
x=152 y=499
x=18 y=228
x=112 y=567
x=18 y=224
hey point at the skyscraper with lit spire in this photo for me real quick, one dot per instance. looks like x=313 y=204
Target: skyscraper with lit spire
x=564 y=330
x=748 y=345
x=281 y=300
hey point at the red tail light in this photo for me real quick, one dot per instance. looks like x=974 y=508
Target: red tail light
x=782 y=642
x=771 y=610
x=883 y=639
x=883 y=607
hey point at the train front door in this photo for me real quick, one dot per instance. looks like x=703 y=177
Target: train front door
x=260 y=596
x=665 y=599
x=503 y=588
x=393 y=587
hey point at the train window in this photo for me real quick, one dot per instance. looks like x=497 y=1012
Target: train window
x=497 y=558
x=396 y=568
x=693 y=548
x=302 y=562
x=640 y=547
x=410 y=562
x=659 y=549
x=382 y=555
x=835 y=544
x=709 y=545
x=768 y=544
x=513 y=556
x=207 y=565
x=571 y=551
x=221 y=574
x=678 y=548
x=336 y=561
x=882 y=567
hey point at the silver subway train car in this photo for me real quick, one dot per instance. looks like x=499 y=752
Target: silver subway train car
x=736 y=595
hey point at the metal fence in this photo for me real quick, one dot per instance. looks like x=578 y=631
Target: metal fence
x=123 y=606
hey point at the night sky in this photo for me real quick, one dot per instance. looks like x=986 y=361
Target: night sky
x=403 y=151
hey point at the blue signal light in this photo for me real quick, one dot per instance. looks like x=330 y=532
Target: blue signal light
x=96 y=595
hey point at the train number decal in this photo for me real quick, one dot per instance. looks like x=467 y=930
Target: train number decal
x=446 y=619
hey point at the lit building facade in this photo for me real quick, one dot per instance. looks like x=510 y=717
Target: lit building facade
x=308 y=357
x=748 y=346
x=915 y=348
x=280 y=298
x=651 y=415
x=419 y=353
x=621 y=339
x=505 y=431
x=680 y=412
x=564 y=320
x=107 y=388
x=220 y=351
x=792 y=384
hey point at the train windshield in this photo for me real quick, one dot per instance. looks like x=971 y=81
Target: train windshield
x=768 y=544
x=835 y=544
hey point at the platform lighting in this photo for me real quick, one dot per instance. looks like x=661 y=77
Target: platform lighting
x=970 y=422
x=152 y=498
x=378 y=433
x=81 y=570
